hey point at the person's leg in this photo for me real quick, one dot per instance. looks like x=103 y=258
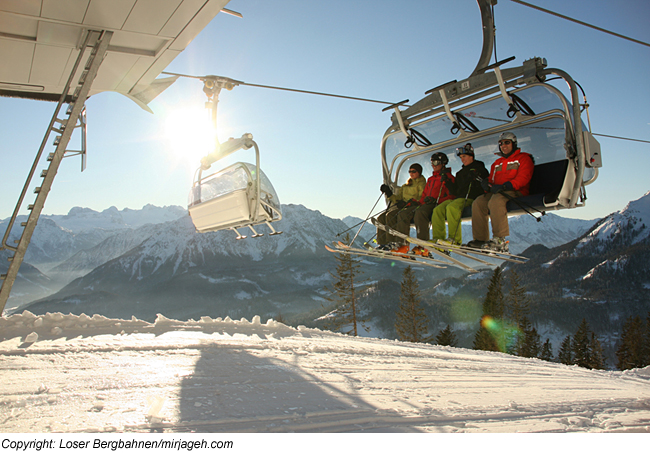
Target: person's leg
x=421 y=218
x=480 y=223
x=454 y=216
x=438 y=221
x=499 y=214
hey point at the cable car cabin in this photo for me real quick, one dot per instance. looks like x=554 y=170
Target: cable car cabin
x=477 y=110
x=238 y=196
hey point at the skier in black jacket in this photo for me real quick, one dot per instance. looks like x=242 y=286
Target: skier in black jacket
x=465 y=188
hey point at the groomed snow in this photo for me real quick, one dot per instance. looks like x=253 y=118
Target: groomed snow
x=67 y=373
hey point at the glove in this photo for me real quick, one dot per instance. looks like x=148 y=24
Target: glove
x=429 y=200
x=496 y=188
x=385 y=189
x=444 y=177
x=485 y=184
x=507 y=186
x=401 y=204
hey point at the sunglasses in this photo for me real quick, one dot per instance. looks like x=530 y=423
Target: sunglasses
x=505 y=142
x=413 y=171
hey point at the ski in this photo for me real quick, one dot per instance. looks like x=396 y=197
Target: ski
x=409 y=259
x=463 y=249
x=426 y=244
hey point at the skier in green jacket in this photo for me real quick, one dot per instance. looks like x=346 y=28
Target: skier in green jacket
x=402 y=205
x=465 y=188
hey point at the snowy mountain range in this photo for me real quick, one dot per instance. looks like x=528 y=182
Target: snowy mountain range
x=143 y=259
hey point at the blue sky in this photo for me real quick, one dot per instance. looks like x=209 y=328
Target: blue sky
x=324 y=152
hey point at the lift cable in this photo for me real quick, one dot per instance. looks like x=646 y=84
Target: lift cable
x=238 y=82
x=580 y=22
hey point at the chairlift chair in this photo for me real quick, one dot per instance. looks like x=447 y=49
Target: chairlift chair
x=238 y=196
x=477 y=110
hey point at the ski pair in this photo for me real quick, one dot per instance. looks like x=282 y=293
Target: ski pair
x=340 y=247
x=467 y=252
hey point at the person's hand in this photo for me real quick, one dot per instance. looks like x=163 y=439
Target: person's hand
x=385 y=189
x=496 y=188
x=485 y=184
x=507 y=186
x=429 y=200
x=444 y=177
x=401 y=204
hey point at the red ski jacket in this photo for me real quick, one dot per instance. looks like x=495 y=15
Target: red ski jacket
x=516 y=168
x=436 y=189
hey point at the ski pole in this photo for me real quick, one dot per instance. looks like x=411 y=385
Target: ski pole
x=521 y=205
x=367 y=217
x=356 y=225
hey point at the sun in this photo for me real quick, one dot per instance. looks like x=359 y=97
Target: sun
x=189 y=134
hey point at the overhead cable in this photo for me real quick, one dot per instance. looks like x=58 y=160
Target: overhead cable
x=292 y=89
x=581 y=22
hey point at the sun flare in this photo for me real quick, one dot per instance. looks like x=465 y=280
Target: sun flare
x=189 y=134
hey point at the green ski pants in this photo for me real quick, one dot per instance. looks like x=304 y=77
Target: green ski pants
x=451 y=211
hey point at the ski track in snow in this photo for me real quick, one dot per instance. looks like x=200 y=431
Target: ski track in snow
x=68 y=373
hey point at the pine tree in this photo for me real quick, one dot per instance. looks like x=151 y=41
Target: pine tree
x=493 y=305
x=547 y=351
x=581 y=345
x=447 y=337
x=490 y=335
x=345 y=317
x=597 y=358
x=565 y=355
x=517 y=301
x=530 y=344
x=411 y=320
x=631 y=350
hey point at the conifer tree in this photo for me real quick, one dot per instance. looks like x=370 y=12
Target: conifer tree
x=447 y=337
x=345 y=318
x=597 y=358
x=547 y=351
x=490 y=335
x=565 y=355
x=411 y=320
x=631 y=350
x=493 y=305
x=529 y=344
x=517 y=301
x=581 y=345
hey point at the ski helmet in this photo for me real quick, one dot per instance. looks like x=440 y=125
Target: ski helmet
x=467 y=149
x=416 y=167
x=509 y=136
x=439 y=159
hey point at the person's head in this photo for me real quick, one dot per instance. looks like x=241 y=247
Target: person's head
x=466 y=154
x=415 y=170
x=507 y=143
x=438 y=161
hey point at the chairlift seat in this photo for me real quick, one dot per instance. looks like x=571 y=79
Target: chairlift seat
x=545 y=187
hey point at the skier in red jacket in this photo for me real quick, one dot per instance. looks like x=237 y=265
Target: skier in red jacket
x=509 y=177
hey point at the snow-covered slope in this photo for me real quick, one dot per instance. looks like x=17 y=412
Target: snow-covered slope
x=65 y=373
